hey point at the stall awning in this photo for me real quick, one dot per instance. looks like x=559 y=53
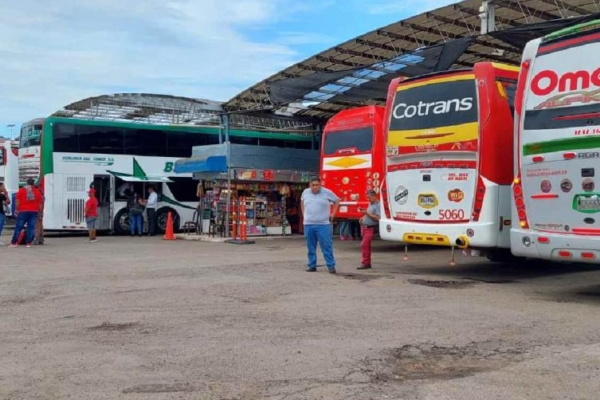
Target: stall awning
x=148 y=179
x=140 y=176
x=201 y=164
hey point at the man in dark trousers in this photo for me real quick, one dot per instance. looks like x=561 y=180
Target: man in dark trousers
x=29 y=201
x=151 y=205
x=369 y=222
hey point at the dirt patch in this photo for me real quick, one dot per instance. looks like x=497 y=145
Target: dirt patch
x=431 y=362
x=364 y=277
x=443 y=284
x=160 y=388
x=110 y=327
x=492 y=281
x=591 y=292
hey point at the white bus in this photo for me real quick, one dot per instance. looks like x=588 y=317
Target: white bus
x=9 y=167
x=72 y=155
x=449 y=159
x=556 y=203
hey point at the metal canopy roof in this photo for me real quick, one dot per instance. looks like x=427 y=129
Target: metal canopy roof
x=374 y=58
x=168 y=110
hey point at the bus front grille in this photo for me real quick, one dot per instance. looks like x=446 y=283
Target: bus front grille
x=75 y=209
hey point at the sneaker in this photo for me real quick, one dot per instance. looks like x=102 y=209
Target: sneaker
x=311 y=269
x=332 y=271
x=13 y=245
x=342 y=238
x=93 y=240
x=364 y=266
x=28 y=245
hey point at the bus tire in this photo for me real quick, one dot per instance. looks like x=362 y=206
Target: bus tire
x=161 y=220
x=121 y=222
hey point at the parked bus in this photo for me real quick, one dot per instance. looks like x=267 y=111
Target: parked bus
x=556 y=201
x=74 y=155
x=29 y=141
x=9 y=167
x=449 y=159
x=353 y=158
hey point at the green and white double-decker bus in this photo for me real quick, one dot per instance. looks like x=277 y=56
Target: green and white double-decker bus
x=74 y=155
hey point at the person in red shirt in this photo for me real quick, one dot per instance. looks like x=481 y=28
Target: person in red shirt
x=29 y=201
x=91 y=214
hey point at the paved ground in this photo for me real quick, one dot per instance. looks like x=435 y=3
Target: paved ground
x=149 y=319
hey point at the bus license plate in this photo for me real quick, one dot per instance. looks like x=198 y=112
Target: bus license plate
x=584 y=204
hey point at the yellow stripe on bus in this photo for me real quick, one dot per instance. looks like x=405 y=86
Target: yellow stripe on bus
x=433 y=81
x=420 y=137
x=506 y=67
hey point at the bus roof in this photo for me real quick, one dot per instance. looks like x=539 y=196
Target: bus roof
x=181 y=128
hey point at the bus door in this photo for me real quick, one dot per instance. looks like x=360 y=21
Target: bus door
x=105 y=195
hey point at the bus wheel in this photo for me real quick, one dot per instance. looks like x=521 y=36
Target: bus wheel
x=161 y=220
x=121 y=225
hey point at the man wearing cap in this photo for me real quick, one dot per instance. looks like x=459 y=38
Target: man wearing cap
x=369 y=222
x=318 y=216
x=29 y=201
x=91 y=214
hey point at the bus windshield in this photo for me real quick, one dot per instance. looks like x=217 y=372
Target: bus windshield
x=433 y=116
x=31 y=135
x=353 y=140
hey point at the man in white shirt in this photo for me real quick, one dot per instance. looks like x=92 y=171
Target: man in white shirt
x=151 y=205
x=318 y=215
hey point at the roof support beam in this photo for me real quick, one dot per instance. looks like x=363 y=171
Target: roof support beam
x=568 y=7
x=526 y=9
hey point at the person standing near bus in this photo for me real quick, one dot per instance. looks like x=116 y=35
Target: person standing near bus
x=136 y=215
x=369 y=222
x=91 y=214
x=29 y=200
x=4 y=203
x=151 y=205
x=318 y=217
x=39 y=225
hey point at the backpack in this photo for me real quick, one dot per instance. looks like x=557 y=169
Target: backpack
x=135 y=208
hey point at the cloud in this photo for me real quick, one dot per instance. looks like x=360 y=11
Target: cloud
x=54 y=53
x=405 y=8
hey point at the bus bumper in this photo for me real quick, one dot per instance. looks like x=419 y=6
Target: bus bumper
x=554 y=246
x=473 y=235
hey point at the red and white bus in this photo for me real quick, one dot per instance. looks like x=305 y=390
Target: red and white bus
x=9 y=166
x=449 y=158
x=353 y=158
x=556 y=202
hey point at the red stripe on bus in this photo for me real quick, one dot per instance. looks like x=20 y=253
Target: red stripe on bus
x=457 y=164
x=425 y=221
x=577 y=116
x=544 y=196
x=575 y=232
x=567 y=43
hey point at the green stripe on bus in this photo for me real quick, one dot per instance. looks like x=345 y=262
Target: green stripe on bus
x=580 y=143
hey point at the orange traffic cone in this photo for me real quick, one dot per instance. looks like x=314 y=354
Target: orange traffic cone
x=169 y=231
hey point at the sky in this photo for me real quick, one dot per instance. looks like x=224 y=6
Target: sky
x=56 y=52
